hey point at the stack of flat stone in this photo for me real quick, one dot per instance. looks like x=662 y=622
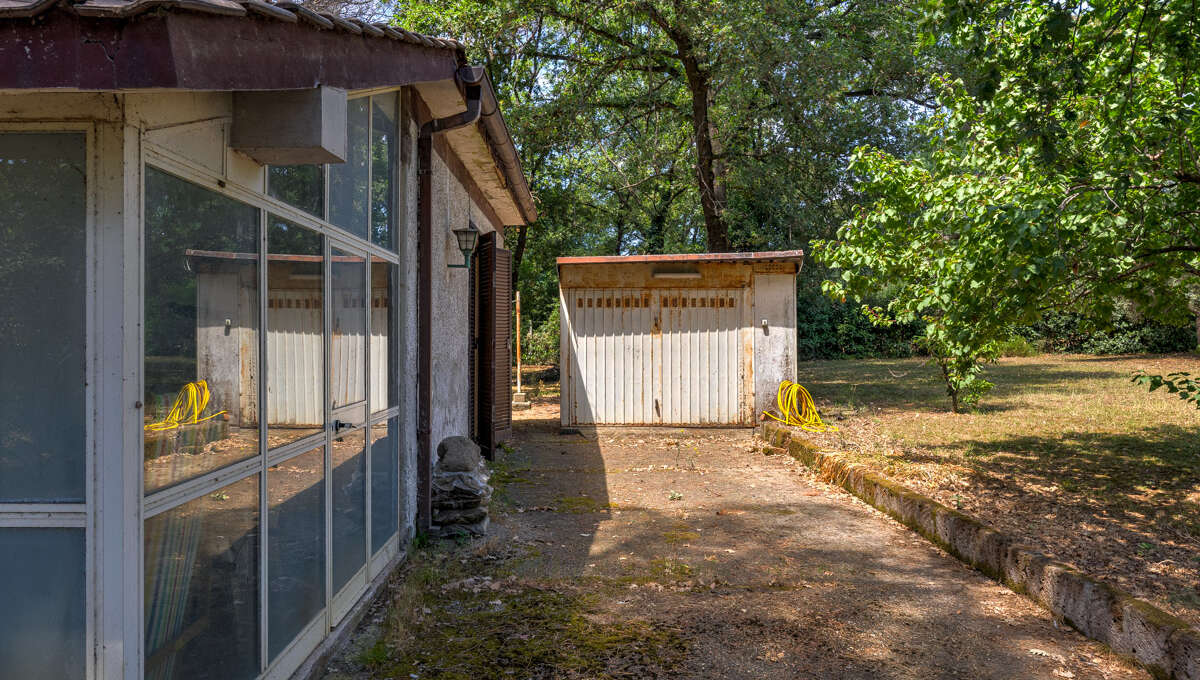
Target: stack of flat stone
x=460 y=489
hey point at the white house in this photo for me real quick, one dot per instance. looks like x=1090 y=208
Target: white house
x=235 y=321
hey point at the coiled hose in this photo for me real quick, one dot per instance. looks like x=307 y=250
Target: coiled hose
x=189 y=404
x=796 y=409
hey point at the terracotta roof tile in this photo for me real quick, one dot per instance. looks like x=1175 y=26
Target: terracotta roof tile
x=282 y=11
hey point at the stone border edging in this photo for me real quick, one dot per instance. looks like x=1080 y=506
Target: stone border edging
x=1165 y=645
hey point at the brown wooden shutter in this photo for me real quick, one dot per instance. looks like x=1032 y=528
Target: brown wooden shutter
x=494 y=374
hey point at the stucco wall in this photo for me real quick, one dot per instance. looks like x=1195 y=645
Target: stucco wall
x=452 y=209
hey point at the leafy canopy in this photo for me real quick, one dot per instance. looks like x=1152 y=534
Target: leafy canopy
x=1067 y=176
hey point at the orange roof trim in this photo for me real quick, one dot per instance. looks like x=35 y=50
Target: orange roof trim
x=767 y=256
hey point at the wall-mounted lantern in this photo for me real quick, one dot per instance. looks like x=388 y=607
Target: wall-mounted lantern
x=466 y=243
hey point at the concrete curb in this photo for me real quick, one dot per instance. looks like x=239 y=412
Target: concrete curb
x=1165 y=645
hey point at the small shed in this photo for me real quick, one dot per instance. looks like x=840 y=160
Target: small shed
x=686 y=340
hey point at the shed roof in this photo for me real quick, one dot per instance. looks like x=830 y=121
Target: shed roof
x=682 y=258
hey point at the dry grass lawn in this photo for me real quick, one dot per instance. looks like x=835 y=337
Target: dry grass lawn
x=1064 y=452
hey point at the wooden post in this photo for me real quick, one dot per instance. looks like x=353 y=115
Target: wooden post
x=519 y=403
x=518 y=294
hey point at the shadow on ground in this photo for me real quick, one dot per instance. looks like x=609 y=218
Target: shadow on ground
x=641 y=553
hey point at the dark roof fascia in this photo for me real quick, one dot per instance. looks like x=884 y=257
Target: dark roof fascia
x=766 y=256
x=180 y=49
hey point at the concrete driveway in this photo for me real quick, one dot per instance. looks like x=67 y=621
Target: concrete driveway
x=766 y=572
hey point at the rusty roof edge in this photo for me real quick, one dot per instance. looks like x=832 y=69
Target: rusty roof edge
x=510 y=160
x=763 y=256
x=285 y=10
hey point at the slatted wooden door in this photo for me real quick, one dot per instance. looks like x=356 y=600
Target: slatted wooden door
x=494 y=344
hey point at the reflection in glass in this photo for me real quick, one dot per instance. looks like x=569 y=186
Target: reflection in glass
x=295 y=332
x=301 y=186
x=384 y=340
x=348 y=196
x=295 y=546
x=42 y=621
x=42 y=225
x=385 y=487
x=349 y=274
x=201 y=366
x=202 y=587
x=384 y=152
x=349 y=487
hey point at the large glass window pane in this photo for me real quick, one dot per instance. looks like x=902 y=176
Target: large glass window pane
x=202 y=587
x=348 y=195
x=295 y=546
x=301 y=186
x=43 y=228
x=42 y=620
x=349 y=274
x=384 y=155
x=385 y=486
x=384 y=340
x=349 y=506
x=201 y=367
x=295 y=332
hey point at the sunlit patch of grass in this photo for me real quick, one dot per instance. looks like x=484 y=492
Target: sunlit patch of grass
x=1070 y=422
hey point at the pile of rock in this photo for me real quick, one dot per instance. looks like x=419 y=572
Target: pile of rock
x=460 y=489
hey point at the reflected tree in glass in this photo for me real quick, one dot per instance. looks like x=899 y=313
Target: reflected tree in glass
x=201 y=334
x=348 y=194
x=43 y=228
x=384 y=168
x=300 y=186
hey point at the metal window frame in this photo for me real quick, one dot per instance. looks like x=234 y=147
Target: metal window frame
x=149 y=505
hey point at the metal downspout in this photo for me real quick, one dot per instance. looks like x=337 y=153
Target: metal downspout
x=471 y=77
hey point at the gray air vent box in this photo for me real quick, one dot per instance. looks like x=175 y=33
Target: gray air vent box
x=290 y=127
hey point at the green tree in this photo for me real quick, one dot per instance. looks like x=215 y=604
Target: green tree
x=1065 y=176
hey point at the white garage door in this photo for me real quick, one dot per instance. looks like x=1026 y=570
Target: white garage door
x=653 y=356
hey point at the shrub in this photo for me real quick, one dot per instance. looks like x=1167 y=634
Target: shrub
x=540 y=345
x=1017 y=346
x=1125 y=334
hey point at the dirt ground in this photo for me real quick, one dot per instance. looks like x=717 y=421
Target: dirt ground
x=690 y=554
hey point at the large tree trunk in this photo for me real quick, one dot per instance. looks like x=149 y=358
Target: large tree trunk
x=710 y=192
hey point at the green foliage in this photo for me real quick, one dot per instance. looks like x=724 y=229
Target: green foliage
x=605 y=102
x=827 y=329
x=1122 y=334
x=1016 y=346
x=1065 y=177
x=540 y=346
x=1180 y=384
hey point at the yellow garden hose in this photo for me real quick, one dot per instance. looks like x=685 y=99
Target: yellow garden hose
x=797 y=409
x=186 y=410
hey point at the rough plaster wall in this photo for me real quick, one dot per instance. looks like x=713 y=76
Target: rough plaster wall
x=775 y=345
x=452 y=209
x=407 y=370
